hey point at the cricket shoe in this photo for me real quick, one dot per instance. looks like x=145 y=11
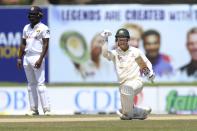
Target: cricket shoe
x=32 y=113
x=139 y=113
x=142 y=113
x=122 y=116
x=48 y=113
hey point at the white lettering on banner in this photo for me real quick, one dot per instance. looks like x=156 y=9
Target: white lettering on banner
x=13 y=100
x=10 y=38
x=97 y=100
x=9 y=44
x=76 y=15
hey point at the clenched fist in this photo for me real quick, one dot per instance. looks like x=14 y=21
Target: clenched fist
x=105 y=34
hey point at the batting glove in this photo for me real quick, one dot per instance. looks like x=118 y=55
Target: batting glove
x=105 y=34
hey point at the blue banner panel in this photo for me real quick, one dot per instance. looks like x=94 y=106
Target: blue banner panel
x=11 y=26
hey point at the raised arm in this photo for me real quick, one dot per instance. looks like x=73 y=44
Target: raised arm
x=105 y=52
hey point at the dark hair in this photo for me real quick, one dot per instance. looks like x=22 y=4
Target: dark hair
x=150 y=32
x=191 y=31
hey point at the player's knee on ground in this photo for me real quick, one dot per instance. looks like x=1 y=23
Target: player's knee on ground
x=127 y=94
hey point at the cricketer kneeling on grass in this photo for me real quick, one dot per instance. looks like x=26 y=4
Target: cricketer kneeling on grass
x=129 y=63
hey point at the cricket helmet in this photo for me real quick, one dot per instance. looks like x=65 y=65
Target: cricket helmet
x=35 y=13
x=122 y=33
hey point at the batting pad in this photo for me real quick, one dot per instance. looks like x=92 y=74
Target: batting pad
x=126 y=96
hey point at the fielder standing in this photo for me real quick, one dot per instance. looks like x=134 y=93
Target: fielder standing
x=129 y=62
x=34 y=47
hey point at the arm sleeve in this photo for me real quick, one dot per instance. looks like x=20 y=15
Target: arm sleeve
x=24 y=33
x=46 y=33
x=148 y=63
x=106 y=53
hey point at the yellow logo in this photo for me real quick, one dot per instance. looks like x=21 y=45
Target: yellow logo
x=37 y=31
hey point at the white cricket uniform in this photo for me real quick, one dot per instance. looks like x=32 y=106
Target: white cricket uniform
x=128 y=73
x=35 y=77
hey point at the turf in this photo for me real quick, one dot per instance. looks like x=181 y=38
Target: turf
x=102 y=85
x=95 y=123
x=151 y=125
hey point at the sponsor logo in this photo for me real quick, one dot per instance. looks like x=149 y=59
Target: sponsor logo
x=13 y=100
x=75 y=46
x=181 y=103
x=9 y=44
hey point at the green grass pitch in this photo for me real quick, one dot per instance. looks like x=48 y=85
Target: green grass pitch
x=98 y=123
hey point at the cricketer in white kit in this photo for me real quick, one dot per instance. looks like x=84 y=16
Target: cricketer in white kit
x=129 y=63
x=34 y=47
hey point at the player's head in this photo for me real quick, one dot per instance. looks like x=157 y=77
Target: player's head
x=151 y=42
x=122 y=37
x=96 y=47
x=136 y=32
x=35 y=14
x=192 y=43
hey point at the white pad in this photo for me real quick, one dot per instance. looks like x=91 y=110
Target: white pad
x=43 y=98
x=33 y=97
x=137 y=85
x=127 y=96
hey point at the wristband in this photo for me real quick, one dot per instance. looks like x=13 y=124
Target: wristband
x=19 y=60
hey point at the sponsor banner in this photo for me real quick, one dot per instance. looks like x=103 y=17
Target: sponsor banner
x=68 y=100
x=75 y=58
x=175 y=100
x=13 y=101
x=11 y=26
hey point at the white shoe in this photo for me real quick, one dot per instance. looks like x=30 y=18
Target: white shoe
x=32 y=113
x=143 y=114
x=148 y=110
x=48 y=113
x=122 y=116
